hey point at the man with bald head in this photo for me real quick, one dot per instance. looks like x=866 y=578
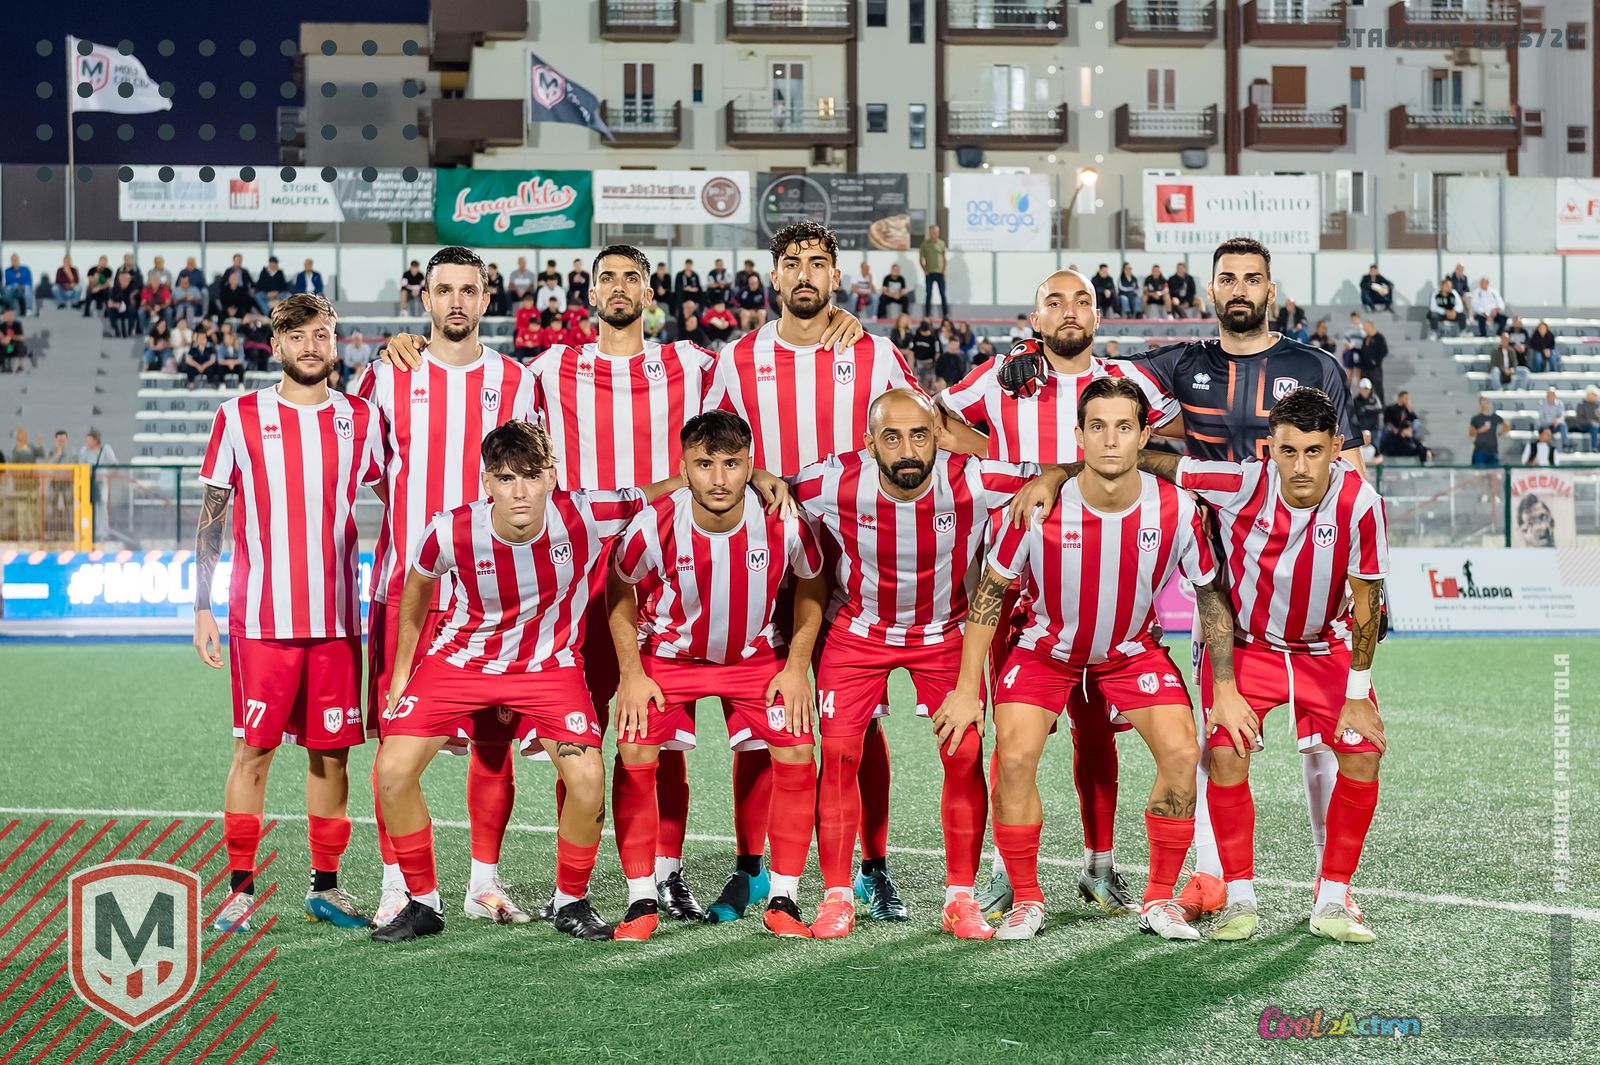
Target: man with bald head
x=907 y=520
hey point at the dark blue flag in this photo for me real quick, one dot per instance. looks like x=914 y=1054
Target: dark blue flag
x=555 y=99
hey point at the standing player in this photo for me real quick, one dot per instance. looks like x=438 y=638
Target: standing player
x=803 y=403
x=1295 y=529
x=906 y=520
x=435 y=419
x=1091 y=569
x=525 y=564
x=292 y=458
x=705 y=564
x=1034 y=419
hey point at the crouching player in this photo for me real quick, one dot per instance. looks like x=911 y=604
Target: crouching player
x=1091 y=569
x=696 y=576
x=1295 y=531
x=526 y=565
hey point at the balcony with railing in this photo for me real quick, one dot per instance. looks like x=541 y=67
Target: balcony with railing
x=1453 y=130
x=1002 y=22
x=985 y=126
x=640 y=20
x=1294 y=129
x=830 y=125
x=1165 y=23
x=1293 y=23
x=1164 y=131
x=1491 y=18
x=462 y=127
x=642 y=124
x=457 y=27
x=790 y=21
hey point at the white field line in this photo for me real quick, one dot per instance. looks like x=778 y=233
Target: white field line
x=1582 y=913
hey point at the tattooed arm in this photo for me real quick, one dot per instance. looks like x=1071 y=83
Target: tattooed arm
x=1360 y=714
x=963 y=707
x=1163 y=464
x=1229 y=710
x=207 y=550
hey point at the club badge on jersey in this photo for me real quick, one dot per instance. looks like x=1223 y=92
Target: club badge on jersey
x=1025 y=369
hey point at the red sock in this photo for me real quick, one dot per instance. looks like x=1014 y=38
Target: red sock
x=1233 y=819
x=633 y=813
x=491 y=793
x=385 y=844
x=672 y=804
x=793 y=815
x=838 y=808
x=752 y=798
x=1019 y=847
x=1170 y=838
x=574 y=866
x=963 y=809
x=1350 y=810
x=329 y=838
x=1094 y=771
x=414 y=851
x=874 y=795
x=242 y=832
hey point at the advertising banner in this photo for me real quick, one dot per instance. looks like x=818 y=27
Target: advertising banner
x=1577 y=215
x=1542 y=511
x=863 y=210
x=672 y=197
x=513 y=208
x=1198 y=213
x=999 y=212
x=267 y=197
x=1494 y=589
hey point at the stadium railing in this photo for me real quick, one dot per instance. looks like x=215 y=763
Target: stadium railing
x=45 y=505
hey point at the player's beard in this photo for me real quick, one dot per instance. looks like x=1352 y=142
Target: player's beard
x=792 y=309
x=1065 y=347
x=621 y=318
x=457 y=333
x=300 y=377
x=907 y=474
x=1238 y=320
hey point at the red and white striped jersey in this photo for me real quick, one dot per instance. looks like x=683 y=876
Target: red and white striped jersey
x=1039 y=428
x=903 y=568
x=804 y=404
x=294 y=472
x=710 y=597
x=1286 y=566
x=1092 y=578
x=435 y=419
x=519 y=608
x=615 y=421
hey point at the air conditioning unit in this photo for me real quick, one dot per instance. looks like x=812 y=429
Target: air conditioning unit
x=1461 y=57
x=822 y=155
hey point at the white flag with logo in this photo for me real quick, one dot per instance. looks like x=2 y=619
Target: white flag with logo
x=106 y=70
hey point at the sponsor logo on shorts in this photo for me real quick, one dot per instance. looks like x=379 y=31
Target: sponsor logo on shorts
x=332 y=718
x=757 y=559
x=578 y=722
x=943 y=523
x=1149 y=683
x=1350 y=737
x=344 y=427
x=491 y=399
x=352 y=715
x=1282 y=386
x=561 y=553
x=1171 y=680
x=654 y=370
x=1324 y=535
x=775 y=717
x=844 y=371
x=1149 y=539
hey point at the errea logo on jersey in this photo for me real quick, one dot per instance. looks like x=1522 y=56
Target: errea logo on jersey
x=485 y=566
x=766 y=372
x=685 y=562
x=585 y=368
x=1324 y=535
x=867 y=521
x=1071 y=538
x=1263 y=525
x=271 y=432
x=419 y=395
x=1202 y=382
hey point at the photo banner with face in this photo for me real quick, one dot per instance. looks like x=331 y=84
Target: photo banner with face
x=999 y=212
x=1542 y=509
x=1198 y=213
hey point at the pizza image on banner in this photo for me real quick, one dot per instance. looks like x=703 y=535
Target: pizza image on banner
x=514 y=208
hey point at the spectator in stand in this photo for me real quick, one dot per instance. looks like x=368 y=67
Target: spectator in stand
x=1291 y=322
x=22 y=452
x=196 y=276
x=188 y=301
x=256 y=333
x=1488 y=308
x=661 y=288
x=550 y=296
x=549 y=272
x=718 y=283
x=1321 y=338
x=495 y=286
x=157 y=344
x=234 y=300
x=1156 y=294
x=655 y=322
x=1376 y=290
x=99 y=287
x=411 y=283
x=925 y=352
x=1539 y=452
x=19 y=286
x=525 y=340
x=230 y=357
x=931 y=257
x=740 y=280
x=863 y=289
x=527 y=316
x=1485 y=430
x=578 y=283
x=133 y=269
x=573 y=315
x=752 y=303
x=551 y=331
x=1186 y=298
x=689 y=327
x=521 y=281
x=894 y=292
x=201 y=361
x=13 y=344
x=953 y=363
x=236 y=271
x=155 y=300
x=718 y=323
x=1505 y=369
x=1112 y=348
x=96 y=453
x=1020 y=330
x=1374 y=350
x=1350 y=348
x=1458 y=280
x=1587 y=418
x=122 y=304
x=900 y=335
x=966 y=343
x=583 y=333
x=1403 y=431
x=1105 y=291
x=1542 y=356
x=271 y=285
x=158 y=275
x=947 y=335
x=182 y=337
x=1446 y=310
x=686 y=286
x=357 y=352
x=1128 y=292
x=66 y=289
x=1553 y=416
x=985 y=352
x=1366 y=409
x=308 y=279
x=1518 y=332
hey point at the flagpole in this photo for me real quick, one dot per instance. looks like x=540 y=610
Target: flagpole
x=71 y=89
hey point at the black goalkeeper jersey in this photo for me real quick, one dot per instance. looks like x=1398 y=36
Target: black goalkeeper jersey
x=1226 y=398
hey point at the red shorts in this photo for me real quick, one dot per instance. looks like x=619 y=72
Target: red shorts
x=854 y=674
x=297 y=691
x=1133 y=683
x=383 y=632
x=742 y=687
x=445 y=700
x=1312 y=685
